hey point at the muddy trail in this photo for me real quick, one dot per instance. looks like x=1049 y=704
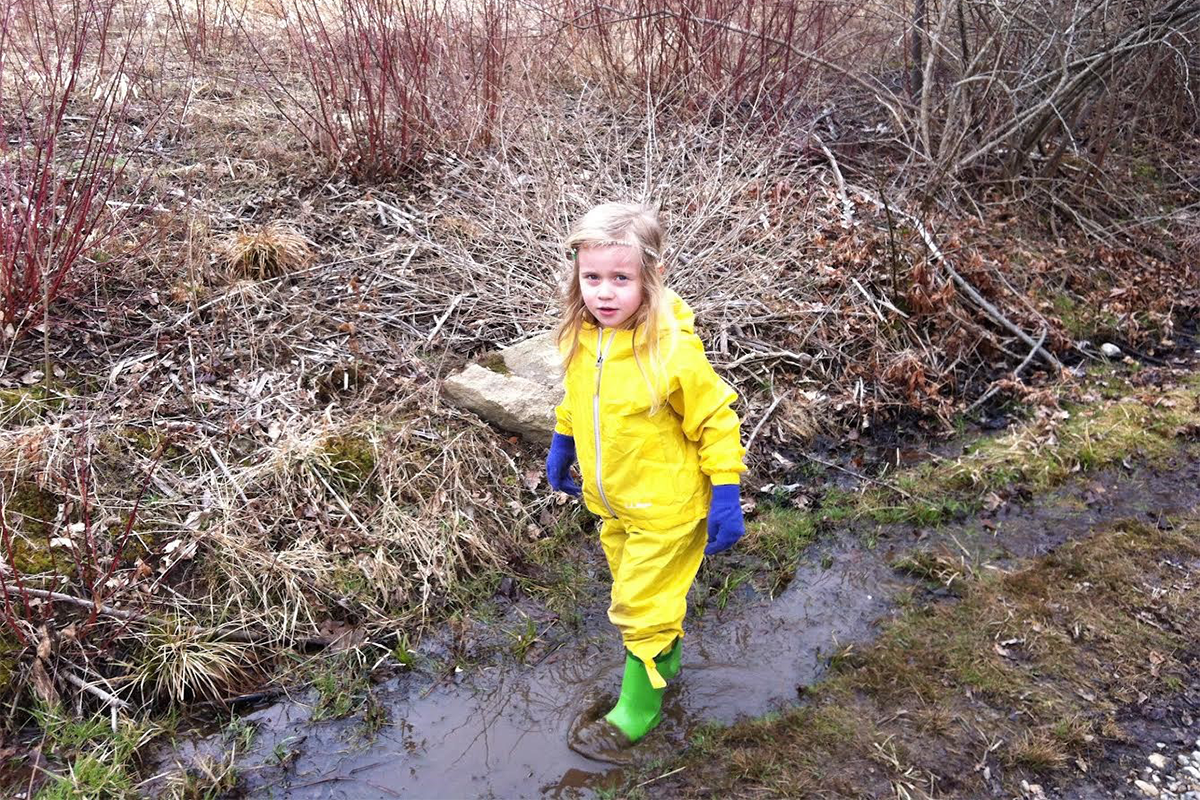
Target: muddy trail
x=473 y=720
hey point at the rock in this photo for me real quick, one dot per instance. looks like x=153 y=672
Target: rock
x=1146 y=788
x=536 y=359
x=1033 y=790
x=510 y=402
x=1111 y=350
x=1158 y=760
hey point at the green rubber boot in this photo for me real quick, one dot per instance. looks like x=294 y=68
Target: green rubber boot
x=639 y=709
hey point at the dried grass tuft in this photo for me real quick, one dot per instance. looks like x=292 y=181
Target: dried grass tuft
x=180 y=663
x=266 y=251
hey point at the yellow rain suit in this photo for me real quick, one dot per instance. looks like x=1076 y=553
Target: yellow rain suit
x=649 y=476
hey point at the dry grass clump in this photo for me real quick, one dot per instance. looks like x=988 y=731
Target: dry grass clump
x=271 y=250
x=178 y=662
x=370 y=520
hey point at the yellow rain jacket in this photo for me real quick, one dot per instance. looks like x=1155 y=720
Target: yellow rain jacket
x=650 y=476
x=654 y=471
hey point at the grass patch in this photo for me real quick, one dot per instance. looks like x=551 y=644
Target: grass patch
x=779 y=536
x=343 y=685
x=939 y=569
x=1039 y=661
x=1039 y=454
x=1043 y=453
x=100 y=762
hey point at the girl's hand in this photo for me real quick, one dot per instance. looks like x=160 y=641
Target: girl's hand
x=558 y=464
x=725 y=524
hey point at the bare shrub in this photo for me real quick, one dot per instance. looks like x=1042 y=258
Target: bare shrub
x=205 y=27
x=727 y=55
x=1006 y=79
x=387 y=81
x=65 y=91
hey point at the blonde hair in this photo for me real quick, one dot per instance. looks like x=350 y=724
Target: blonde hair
x=654 y=324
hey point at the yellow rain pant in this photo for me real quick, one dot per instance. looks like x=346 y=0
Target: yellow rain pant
x=652 y=572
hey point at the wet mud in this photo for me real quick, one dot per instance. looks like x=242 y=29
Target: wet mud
x=500 y=730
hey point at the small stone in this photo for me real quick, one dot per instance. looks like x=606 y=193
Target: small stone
x=1147 y=789
x=1191 y=770
x=1109 y=349
x=1196 y=756
x=1158 y=760
x=1182 y=760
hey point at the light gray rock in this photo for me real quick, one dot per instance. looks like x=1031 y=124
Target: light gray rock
x=1158 y=760
x=1147 y=789
x=510 y=402
x=1109 y=349
x=535 y=359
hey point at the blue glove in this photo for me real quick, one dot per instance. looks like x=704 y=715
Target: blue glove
x=558 y=464
x=725 y=525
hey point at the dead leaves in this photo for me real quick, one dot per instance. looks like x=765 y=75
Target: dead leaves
x=39 y=676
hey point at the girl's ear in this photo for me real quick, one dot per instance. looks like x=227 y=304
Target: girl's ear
x=661 y=267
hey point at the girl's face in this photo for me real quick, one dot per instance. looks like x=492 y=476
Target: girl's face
x=610 y=279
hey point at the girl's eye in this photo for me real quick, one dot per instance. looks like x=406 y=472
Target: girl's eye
x=622 y=277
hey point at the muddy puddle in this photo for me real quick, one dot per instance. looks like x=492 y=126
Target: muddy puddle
x=500 y=730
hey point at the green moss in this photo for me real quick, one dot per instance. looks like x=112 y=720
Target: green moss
x=1083 y=321
x=150 y=441
x=351 y=462
x=28 y=404
x=10 y=650
x=494 y=362
x=35 y=507
x=30 y=511
x=1145 y=171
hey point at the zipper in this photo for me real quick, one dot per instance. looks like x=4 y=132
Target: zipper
x=601 y=351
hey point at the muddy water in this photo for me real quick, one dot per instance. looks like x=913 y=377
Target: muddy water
x=500 y=730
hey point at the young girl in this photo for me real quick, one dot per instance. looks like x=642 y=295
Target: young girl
x=658 y=446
